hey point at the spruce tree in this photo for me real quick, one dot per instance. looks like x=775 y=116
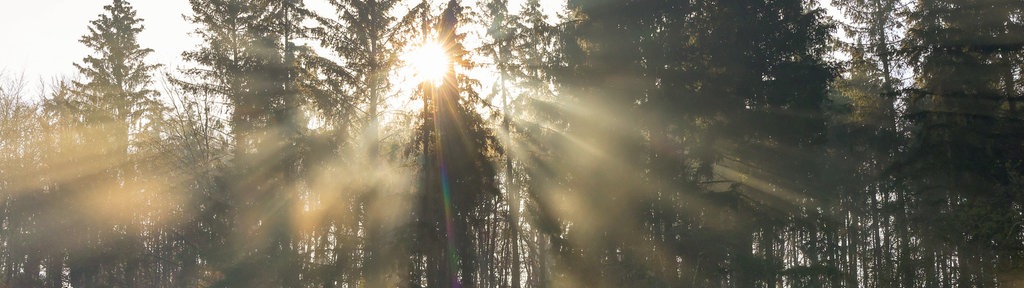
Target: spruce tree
x=117 y=77
x=958 y=160
x=249 y=57
x=459 y=188
x=367 y=39
x=116 y=102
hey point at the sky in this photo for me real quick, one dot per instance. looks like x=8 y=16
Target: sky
x=41 y=36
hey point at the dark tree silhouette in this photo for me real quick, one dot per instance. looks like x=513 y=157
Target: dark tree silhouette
x=592 y=143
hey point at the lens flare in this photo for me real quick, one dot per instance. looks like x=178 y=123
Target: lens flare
x=429 y=62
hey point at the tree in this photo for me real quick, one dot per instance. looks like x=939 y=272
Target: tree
x=116 y=103
x=650 y=143
x=368 y=38
x=959 y=158
x=865 y=138
x=521 y=47
x=249 y=57
x=22 y=254
x=459 y=188
x=718 y=89
x=117 y=78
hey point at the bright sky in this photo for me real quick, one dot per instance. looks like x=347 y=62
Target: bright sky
x=41 y=36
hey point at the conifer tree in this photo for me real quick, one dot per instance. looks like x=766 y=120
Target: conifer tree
x=521 y=46
x=962 y=141
x=116 y=102
x=459 y=188
x=249 y=58
x=627 y=143
x=117 y=77
x=367 y=39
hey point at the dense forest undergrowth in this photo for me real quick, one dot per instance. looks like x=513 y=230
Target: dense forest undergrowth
x=497 y=143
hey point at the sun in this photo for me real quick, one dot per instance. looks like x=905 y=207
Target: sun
x=428 y=62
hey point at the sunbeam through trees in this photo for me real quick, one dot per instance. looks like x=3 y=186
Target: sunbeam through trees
x=524 y=143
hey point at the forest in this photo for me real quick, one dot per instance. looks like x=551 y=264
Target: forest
x=496 y=143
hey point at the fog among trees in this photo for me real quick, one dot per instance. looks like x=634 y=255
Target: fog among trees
x=497 y=143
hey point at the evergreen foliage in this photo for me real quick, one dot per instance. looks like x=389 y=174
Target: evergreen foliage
x=605 y=143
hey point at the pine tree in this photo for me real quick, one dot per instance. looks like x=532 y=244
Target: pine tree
x=958 y=161
x=116 y=103
x=521 y=46
x=250 y=59
x=459 y=188
x=650 y=143
x=367 y=37
x=116 y=76
x=865 y=116
x=715 y=87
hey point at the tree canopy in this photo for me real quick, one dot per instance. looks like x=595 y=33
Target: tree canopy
x=497 y=143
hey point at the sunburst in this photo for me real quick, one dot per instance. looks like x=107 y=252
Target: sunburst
x=429 y=62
